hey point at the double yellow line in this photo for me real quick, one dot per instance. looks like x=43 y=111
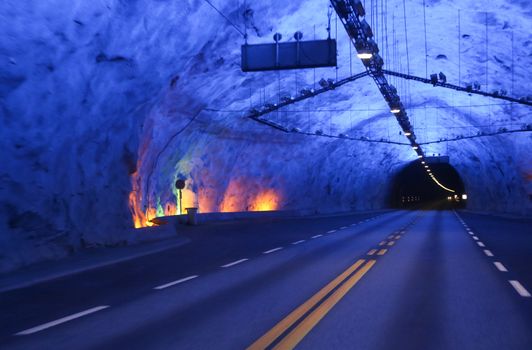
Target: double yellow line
x=349 y=277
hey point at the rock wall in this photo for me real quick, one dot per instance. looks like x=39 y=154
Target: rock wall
x=104 y=104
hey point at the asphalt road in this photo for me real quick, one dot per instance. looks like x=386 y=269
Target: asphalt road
x=395 y=280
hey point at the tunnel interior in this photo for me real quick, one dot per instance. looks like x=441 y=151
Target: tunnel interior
x=413 y=188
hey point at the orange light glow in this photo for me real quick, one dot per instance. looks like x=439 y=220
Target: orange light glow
x=265 y=200
x=234 y=197
x=170 y=209
x=241 y=195
x=139 y=219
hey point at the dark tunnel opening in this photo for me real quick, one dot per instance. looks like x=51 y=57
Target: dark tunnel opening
x=412 y=188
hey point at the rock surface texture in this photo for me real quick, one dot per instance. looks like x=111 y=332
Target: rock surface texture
x=105 y=104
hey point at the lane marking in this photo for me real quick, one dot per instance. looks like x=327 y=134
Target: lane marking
x=270 y=336
x=391 y=243
x=176 y=282
x=488 y=252
x=382 y=251
x=297 y=242
x=302 y=329
x=272 y=250
x=471 y=233
x=520 y=289
x=343 y=227
x=475 y=238
x=480 y=244
x=62 y=320
x=317 y=236
x=331 y=231
x=354 y=224
x=373 y=251
x=235 y=263
x=500 y=266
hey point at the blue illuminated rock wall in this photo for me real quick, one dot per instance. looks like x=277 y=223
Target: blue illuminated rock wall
x=101 y=98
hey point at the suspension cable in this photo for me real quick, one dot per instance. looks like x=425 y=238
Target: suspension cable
x=226 y=18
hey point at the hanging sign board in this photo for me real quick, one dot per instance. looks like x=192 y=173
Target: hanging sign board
x=289 y=55
x=437 y=159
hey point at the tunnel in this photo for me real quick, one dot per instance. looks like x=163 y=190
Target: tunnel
x=412 y=189
x=238 y=174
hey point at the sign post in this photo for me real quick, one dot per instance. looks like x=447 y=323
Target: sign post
x=180 y=185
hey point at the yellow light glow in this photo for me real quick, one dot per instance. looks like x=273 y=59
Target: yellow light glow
x=439 y=184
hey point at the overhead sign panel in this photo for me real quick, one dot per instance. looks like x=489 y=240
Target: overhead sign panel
x=292 y=55
x=437 y=159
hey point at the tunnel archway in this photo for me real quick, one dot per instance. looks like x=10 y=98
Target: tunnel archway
x=412 y=188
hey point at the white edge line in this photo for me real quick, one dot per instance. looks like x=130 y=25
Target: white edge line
x=62 y=320
x=235 y=262
x=520 y=289
x=297 y=242
x=343 y=227
x=500 y=266
x=488 y=252
x=331 y=231
x=317 y=236
x=272 y=250
x=176 y=282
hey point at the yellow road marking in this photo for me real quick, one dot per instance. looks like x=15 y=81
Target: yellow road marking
x=391 y=243
x=382 y=251
x=302 y=329
x=295 y=315
x=373 y=251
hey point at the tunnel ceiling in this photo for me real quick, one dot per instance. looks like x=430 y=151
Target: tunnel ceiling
x=105 y=104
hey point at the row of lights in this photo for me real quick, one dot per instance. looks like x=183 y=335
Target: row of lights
x=367 y=50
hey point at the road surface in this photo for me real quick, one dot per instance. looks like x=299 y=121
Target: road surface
x=422 y=279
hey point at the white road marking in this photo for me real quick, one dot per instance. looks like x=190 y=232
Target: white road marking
x=343 y=227
x=176 y=282
x=235 y=263
x=520 y=289
x=331 y=231
x=297 y=242
x=62 y=320
x=475 y=238
x=354 y=224
x=317 y=236
x=488 y=252
x=500 y=266
x=471 y=233
x=272 y=250
x=480 y=244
